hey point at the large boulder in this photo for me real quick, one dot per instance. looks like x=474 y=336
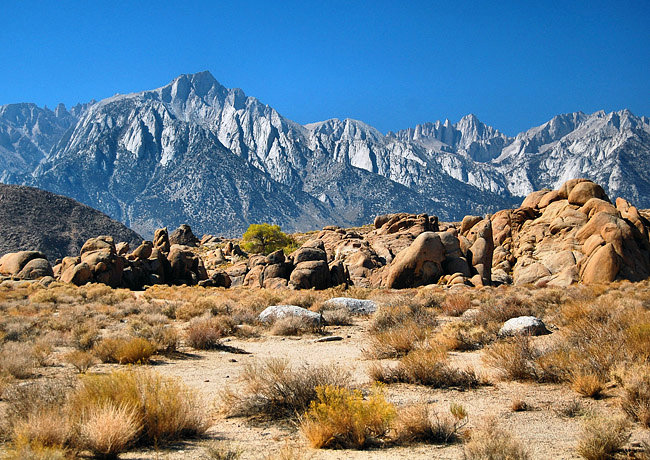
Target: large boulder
x=35 y=269
x=183 y=236
x=161 y=240
x=275 y=312
x=355 y=306
x=523 y=325
x=312 y=274
x=13 y=263
x=419 y=264
x=186 y=267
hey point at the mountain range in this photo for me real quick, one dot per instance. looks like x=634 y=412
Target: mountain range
x=196 y=152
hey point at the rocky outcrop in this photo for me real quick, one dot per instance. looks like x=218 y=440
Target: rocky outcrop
x=573 y=234
x=27 y=265
x=183 y=236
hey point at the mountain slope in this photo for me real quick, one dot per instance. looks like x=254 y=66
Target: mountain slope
x=194 y=151
x=33 y=219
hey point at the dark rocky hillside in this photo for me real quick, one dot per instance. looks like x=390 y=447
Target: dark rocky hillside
x=33 y=219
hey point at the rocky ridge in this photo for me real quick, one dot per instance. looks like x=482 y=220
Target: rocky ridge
x=574 y=234
x=194 y=145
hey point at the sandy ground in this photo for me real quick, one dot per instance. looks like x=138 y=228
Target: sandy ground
x=545 y=433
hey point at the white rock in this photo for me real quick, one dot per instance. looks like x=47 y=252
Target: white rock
x=357 y=306
x=276 y=312
x=527 y=325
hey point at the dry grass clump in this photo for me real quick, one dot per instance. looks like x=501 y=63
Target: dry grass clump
x=397 y=329
x=123 y=350
x=635 y=400
x=392 y=316
x=165 y=409
x=420 y=423
x=17 y=359
x=456 y=304
x=426 y=367
x=81 y=360
x=589 y=385
x=493 y=443
x=85 y=335
x=519 y=405
x=109 y=429
x=338 y=317
x=340 y=418
x=273 y=389
x=518 y=359
x=602 y=438
x=48 y=426
x=397 y=341
x=461 y=336
x=206 y=332
x=295 y=325
x=23 y=449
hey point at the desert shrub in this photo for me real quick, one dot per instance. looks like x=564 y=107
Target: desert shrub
x=392 y=316
x=108 y=429
x=273 y=389
x=519 y=405
x=85 y=335
x=494 y=311
x=295 y=325
x=265 y=238
x=23 y=449
x=518 y=359
x=589 y=385
x=166 y=409
x=164 y=337
x=602 y=438
x=81 y=360
x=426 y=367
x=206 y=332
x=339 y=317
x=493 y=443
x=49 y=427
x=122 y=350
x=635 y=400
x=461 y=336
x=456 y=304
x=341 y=418
x=397 y=341
x=17 y=359
x=420 y=423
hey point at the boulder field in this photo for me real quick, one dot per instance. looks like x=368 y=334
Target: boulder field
x=555 y=238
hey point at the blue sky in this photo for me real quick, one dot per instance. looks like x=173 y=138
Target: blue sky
x=390 y=64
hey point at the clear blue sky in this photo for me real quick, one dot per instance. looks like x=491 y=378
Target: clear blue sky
x=390 y=64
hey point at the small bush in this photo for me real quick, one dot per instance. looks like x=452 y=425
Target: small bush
x=81 y=360
x=49 y=427
x=456 y=304
x=397 y=341
x=636 y=395
x=493 y=443
x=602 y=438
x=391 y=316
x=206 y=332
x=341 y=419
x=338 y=317
x=275 y=390
x=85 y=335
x=294 y=325
x=518 y=359
x=461 y=336
x=166 y=408
x=420 y=423
x=108 y=429
x=427 y=367
x=519 y=405
x=17 y=360
x=133 y=350
x=23 y=449
x=589 y=385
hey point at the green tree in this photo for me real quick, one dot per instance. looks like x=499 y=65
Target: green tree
x=265 y=238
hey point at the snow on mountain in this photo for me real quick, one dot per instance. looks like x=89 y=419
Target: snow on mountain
x=194 y=151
